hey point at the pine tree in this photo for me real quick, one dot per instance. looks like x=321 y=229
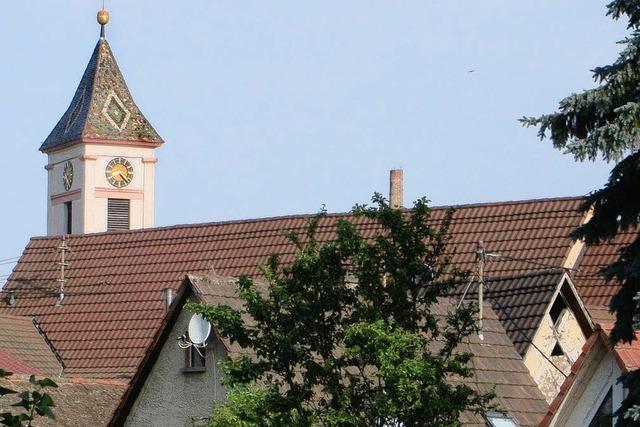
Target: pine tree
x=605 y=122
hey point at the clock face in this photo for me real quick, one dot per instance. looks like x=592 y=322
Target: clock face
x=119 y=172
x=67 y=176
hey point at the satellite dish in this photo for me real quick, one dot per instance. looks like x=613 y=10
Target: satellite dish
x=199 y=330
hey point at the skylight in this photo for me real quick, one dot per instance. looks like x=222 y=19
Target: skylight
x=496 y=419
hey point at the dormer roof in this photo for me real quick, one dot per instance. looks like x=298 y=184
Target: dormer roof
x=102 y=109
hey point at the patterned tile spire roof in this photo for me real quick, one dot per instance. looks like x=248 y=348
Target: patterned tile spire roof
x=102 y=108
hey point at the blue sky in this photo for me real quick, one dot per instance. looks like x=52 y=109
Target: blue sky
x=274 y=108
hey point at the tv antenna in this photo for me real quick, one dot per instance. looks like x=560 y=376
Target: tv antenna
x=63 y=248
x=198 y=332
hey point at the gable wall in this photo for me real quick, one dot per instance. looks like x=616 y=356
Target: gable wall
x=538 y=358
x=171 y=397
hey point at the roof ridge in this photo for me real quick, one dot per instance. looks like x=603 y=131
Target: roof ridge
x=301 y=216
x=49 y=344
x=93 y=81
x=510 y=202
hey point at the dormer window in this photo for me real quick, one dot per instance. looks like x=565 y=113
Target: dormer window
x=558 y=314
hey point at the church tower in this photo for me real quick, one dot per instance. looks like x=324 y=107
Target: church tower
x=101 y=154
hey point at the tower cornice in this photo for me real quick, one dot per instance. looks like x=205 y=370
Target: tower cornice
x=66 y=145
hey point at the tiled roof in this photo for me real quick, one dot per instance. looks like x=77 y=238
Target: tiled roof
x=114 y=294
x=77 y=402
x=102 y=107
x=628 y=353
x=520 y=302
x=12 y=363
x=600 y=314
x=495 y=360
x=23 y=349
x=498 y=366
x=592 y=287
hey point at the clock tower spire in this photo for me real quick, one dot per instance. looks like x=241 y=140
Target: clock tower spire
x=101 y=154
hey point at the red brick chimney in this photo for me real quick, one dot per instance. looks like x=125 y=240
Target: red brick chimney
x=396 y=189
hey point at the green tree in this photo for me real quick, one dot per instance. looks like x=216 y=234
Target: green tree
x=605 y=122
x=33 y=402
x=346 y=334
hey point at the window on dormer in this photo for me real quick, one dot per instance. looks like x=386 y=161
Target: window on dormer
x=557 y=350
x=556 y=309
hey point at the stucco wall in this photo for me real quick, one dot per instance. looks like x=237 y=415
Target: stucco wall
x=55 y=186
x=171 y=397
x=90 y=206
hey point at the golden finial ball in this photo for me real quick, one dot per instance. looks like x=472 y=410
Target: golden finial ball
x=103 y=17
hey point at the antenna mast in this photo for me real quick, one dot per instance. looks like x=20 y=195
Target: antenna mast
x=63 y=248
x=480 y=258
